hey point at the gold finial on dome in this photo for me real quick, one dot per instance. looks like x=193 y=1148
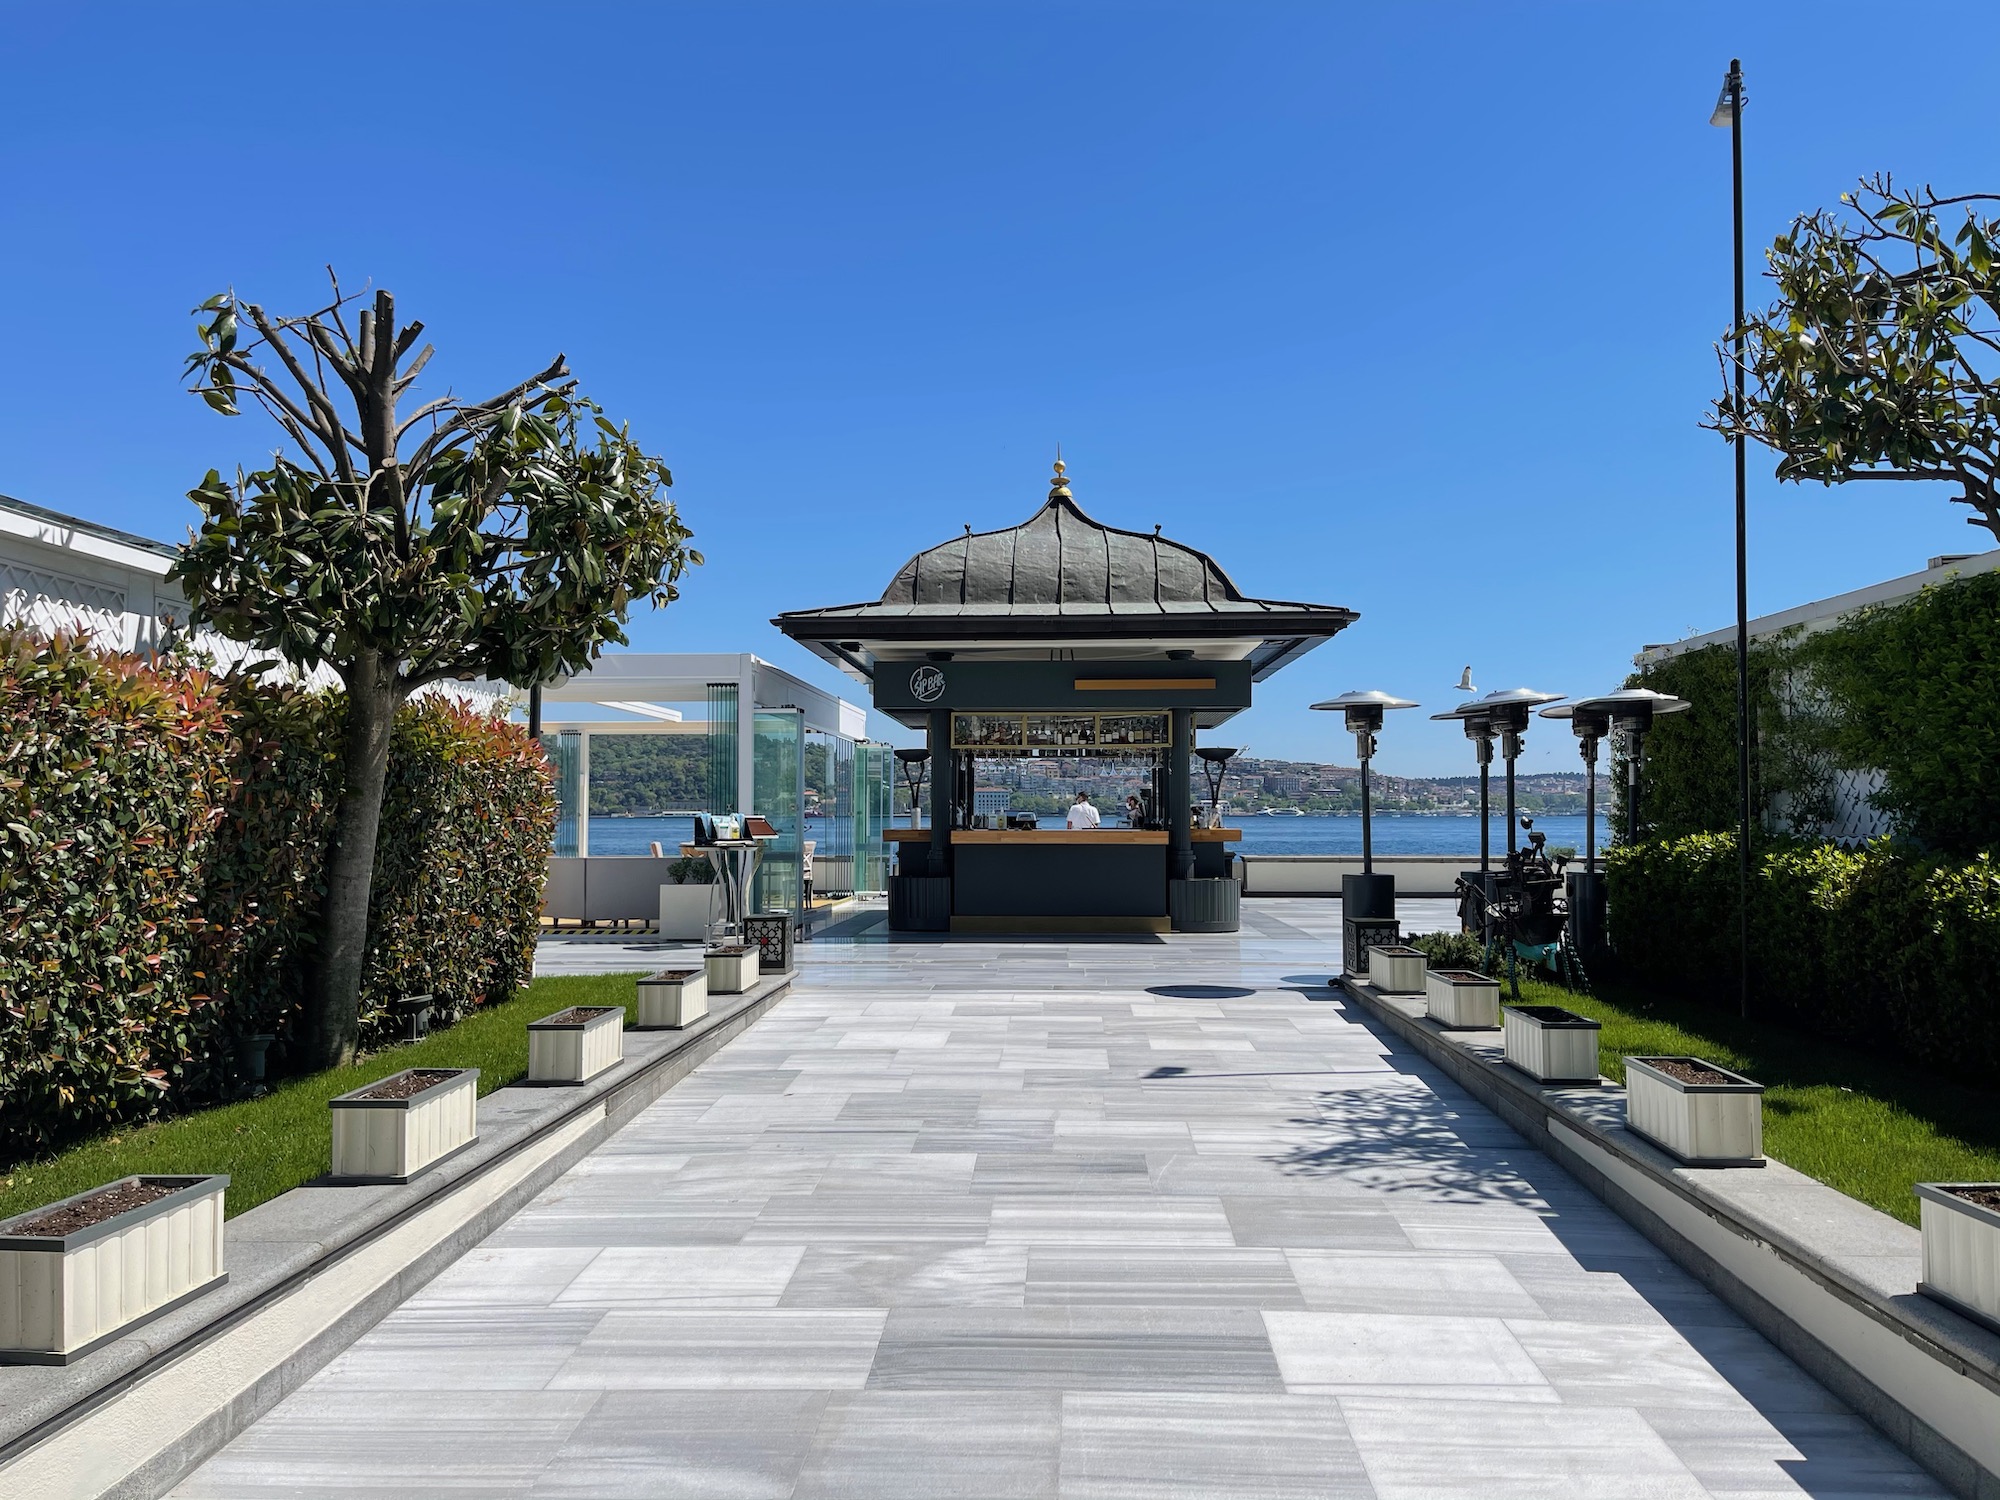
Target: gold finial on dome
x=1059 y=485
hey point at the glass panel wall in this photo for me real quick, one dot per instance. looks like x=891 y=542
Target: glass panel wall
x=722 y=749
x=777 y=793
x=830 y=777
x=565 y=753
x=874 y=806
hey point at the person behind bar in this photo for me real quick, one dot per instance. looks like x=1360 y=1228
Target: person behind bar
x=1134 y=814
x=1081 y=813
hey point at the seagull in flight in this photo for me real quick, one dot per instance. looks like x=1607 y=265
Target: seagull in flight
x=1465 y=682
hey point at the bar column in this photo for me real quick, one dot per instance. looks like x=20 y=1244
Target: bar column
x=944 y=776
x=1180 y=797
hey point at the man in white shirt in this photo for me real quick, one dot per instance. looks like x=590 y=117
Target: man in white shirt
x=1081 y=813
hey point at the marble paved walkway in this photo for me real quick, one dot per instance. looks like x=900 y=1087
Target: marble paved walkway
x=1086 y=1219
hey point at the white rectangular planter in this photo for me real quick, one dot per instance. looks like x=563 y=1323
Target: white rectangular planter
x=672 y=1003
x=1550 y=1044
x=62 y=1296
x=686 y=911
x=731 y=973
x=392 y=1140
x=561 y=1050
x=1702 y=1124
x=1396 y=971
x=1961 y=1250
x=1461 y=998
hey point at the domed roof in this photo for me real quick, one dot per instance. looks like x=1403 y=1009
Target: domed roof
x=1060 y=556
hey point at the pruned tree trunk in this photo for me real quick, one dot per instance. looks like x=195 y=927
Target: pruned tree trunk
x=333 y=1015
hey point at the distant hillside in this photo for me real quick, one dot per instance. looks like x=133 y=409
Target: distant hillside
x=648 y=773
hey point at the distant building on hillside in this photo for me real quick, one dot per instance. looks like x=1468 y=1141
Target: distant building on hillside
x=992 y=801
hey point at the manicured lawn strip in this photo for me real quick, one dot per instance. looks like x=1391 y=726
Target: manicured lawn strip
x=1866 y=1125
x=271 y=1145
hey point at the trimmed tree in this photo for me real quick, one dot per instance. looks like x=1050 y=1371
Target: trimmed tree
x=1876 y=360
x=505 y=538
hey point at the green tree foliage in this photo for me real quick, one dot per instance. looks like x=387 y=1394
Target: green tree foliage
x=1877 y=360
x=1688 y=783
x=507 y=537
x=1909 y=689
x=161 y=866
x=648 y=773
x=1916 y=690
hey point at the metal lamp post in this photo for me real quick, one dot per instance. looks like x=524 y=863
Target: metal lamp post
x=1367 y=900
x=1479 y=729
x=1214 y=763
x=913 y=776
x=1728 y=113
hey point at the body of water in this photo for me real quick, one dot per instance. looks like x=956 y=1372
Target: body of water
x=1395 y=833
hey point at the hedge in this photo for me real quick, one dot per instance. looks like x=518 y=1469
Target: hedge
x=161 y=837
x=1884 y=945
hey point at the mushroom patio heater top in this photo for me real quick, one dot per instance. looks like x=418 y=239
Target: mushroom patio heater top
x=913 y=774
x=1214 y=761
x=1364 y=712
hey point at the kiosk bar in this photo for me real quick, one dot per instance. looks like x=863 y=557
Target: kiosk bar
x=1062 y=637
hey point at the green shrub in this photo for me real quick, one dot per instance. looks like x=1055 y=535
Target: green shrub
x=1449 y=950
x=113 y=782
x=1882 y=944
x=162 y=832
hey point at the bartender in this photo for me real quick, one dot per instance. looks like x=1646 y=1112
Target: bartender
x=1081 y=813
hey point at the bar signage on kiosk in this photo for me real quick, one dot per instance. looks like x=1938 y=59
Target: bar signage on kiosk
x=1063 y=638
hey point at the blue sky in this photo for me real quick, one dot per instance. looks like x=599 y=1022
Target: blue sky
x=1407 y=308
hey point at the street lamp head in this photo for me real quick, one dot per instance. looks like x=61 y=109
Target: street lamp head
x=1364 y=709
x=1733 y=96
x=1216 y=754
x=913 y=756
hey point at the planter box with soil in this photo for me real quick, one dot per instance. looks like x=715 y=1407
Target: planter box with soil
x=1396 y=971
x=1696 y=1112
x=79 y=1273
x=575 y=1044
x=409 y=1122
x=1460 y=998
x=731 y=970
x=1550 y=1044
x=1961 y=1226
x=672 y=998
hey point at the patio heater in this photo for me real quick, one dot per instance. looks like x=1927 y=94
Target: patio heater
x=1367 y=900
x=1214 y=762
x=1505 y=714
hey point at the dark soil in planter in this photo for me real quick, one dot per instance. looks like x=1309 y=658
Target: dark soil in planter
x=413 y=1082
x=1555 y=1015
x=105 y=1204
x=1402 y=952
x=730 y=952
x=1985 y=1197
x=673 y=976
x=1686 y=1071
x=576 y=1015
x=1464 y=976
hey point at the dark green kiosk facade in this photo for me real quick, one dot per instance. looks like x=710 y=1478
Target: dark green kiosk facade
x=1062 y=637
